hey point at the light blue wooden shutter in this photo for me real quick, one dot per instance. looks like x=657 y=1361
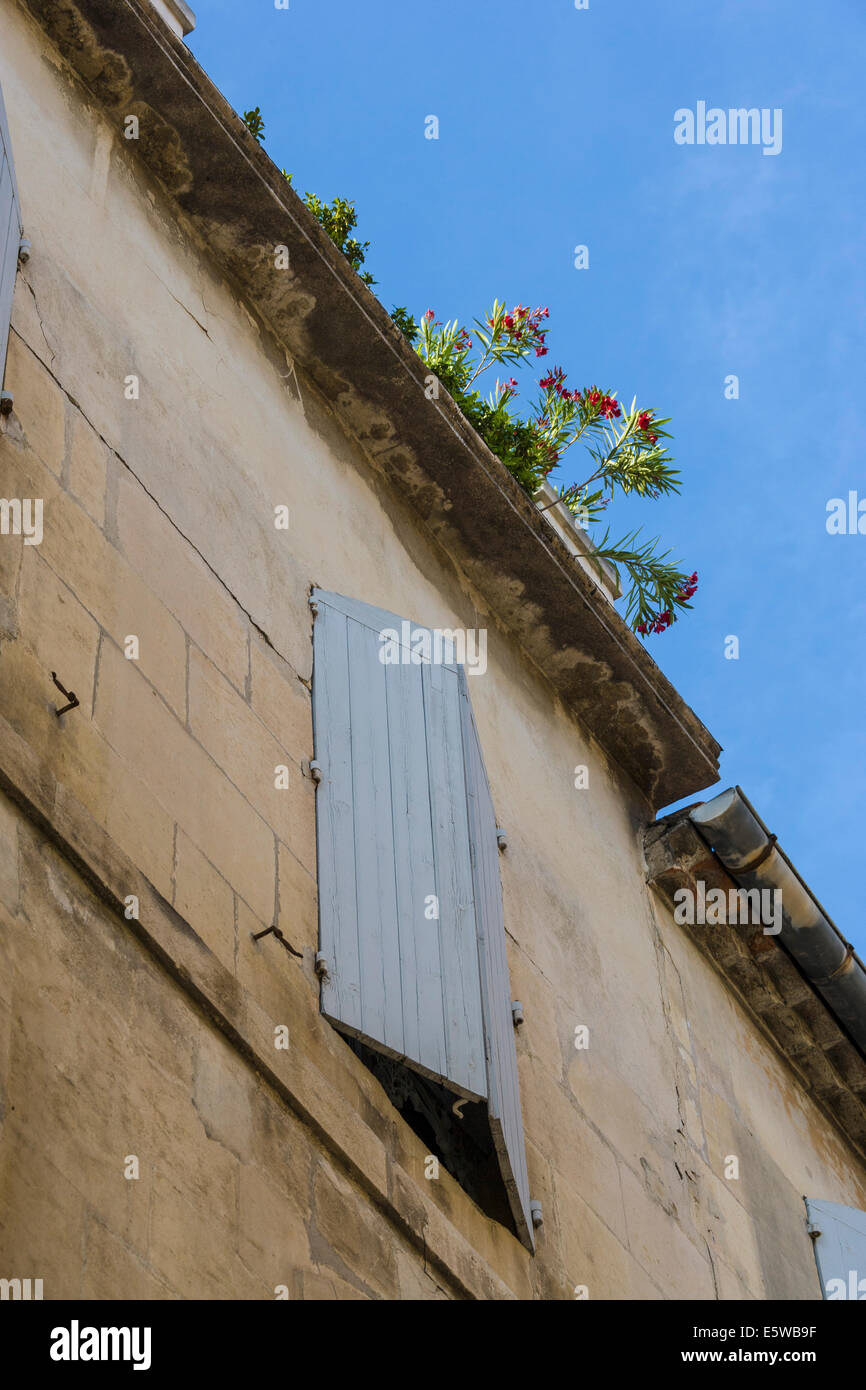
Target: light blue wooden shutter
x=393 y=840
x=10 y=234
x=404 y=817
x=503 y=1092
x=839 y=1234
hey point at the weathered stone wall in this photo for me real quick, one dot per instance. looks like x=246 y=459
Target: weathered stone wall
x=260 y=1167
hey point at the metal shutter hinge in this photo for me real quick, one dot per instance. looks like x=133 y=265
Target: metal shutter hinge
x=321 y=965
x=501 y=837
x=6 y=402
x=516 y=1012
x=536 y=1213
x=24 y=249
x=316 y=771
x=314 y=605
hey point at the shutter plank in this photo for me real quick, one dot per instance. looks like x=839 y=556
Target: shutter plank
x=375 y=880
x=335 y=821
x=9 y=242
x=415 y=871
x=503 y=1103
x=461 y=983
x=6 y=144
x=10 y=235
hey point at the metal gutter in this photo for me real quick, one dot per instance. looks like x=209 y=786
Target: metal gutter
x=577 y=540
x=732 y=828
x=177 y=15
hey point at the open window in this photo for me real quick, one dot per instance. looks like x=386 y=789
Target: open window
x=411 y=925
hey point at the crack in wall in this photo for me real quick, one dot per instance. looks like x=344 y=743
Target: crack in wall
x=250 y=619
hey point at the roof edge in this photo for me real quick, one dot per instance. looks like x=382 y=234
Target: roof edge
x=784 y=998
x=235 y=199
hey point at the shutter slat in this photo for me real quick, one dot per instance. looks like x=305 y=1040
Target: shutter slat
x=392 y=831
x=341 y=990
x=375 y=879
x=503 y=1103
x=415 y=870
x=10 y=235
x=457 y=938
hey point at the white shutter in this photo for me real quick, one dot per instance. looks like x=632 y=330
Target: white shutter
x=393 y=849
x=10 y=234
x=404 y=820
x=839 y=1235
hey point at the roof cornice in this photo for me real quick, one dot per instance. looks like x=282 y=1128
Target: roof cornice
x=241 y=207
x=758 y=969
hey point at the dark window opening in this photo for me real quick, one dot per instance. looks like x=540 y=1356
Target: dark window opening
x=463 y=1147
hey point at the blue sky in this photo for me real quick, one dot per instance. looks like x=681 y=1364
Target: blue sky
x=556 y=129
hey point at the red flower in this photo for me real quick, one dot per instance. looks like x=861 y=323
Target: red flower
x=429 y=314
x=689 y=589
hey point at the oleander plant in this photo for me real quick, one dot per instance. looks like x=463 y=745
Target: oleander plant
x=621 y=450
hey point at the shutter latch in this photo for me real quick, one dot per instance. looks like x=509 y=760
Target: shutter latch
x=257 y=936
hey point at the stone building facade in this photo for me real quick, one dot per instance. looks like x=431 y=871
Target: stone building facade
x=171 y=391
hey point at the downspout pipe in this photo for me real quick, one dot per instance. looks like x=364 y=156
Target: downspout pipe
x=731 y=827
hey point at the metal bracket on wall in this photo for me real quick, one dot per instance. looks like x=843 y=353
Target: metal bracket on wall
x=257 y=936
x=69 y=695
x=501 y=837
